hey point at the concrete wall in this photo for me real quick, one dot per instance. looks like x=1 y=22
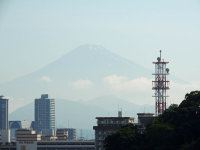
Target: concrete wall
x=26 y=146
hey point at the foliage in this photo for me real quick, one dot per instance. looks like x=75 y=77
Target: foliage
x=123 y=139
x=177 y=128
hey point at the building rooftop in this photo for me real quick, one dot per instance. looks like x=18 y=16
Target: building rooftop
x=145 y=114
x=115 y=118
x=43 y=96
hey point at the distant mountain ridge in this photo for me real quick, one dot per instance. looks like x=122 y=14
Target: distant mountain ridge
x=89 y=81
x=92 y=61
x=82 y=115
x=87 y=62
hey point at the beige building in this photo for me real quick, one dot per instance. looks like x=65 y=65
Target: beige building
x=49 y=138
x=27 y=139
x=27 y=135
x=108 y=125
x=62 y=134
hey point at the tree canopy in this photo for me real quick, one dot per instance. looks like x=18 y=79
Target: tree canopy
x=176 y=129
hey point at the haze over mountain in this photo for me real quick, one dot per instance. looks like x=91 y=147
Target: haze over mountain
x=86 y=72
x=81 y=115
x=89 y=81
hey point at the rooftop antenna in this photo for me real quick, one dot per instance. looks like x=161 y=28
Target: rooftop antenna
x=119 y=112
x=160 y=54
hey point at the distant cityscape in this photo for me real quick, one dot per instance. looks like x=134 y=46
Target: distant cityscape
x=41 y=134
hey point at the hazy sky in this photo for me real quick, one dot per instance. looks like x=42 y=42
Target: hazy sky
x=35 y=33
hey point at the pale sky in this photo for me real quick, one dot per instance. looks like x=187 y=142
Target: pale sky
x=34 y=33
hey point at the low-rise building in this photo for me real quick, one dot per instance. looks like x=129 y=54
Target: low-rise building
x=62 y=134
x=27 y=139
x=71 y=133
x=66 y=145
x=16 y=125
x=49 y=138
x=108 y=125
x=27 y=135
x=51 y=145
x=144 y=119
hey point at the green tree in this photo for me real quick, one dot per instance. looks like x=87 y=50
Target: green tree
x=176 y=129
x=124 y=139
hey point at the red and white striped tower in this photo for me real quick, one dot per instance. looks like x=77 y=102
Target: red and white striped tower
x=160 y=85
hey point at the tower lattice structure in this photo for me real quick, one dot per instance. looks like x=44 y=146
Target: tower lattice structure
x=160 y=85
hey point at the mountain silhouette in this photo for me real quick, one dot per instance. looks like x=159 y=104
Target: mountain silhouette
x=82 y=115
x=88 y=64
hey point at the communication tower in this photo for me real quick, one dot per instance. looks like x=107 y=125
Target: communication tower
x=160 y=85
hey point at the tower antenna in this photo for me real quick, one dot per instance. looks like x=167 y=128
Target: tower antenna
x=160 y=85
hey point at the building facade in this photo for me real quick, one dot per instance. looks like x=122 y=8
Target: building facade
x=66 y=145
x=5 y=136
x=45 y=116
x=29 y=140
x=143 y=120
x=3 y=113
x=4 y=129
x=55 y=145
x=71 y=133
x=108 y=125
x=16 y=125
x=49 y=145
x=62 y=134
x=27 y=135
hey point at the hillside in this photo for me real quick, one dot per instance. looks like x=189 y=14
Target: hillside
x=82 y=114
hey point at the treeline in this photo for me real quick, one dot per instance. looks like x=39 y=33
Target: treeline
x=178 y=128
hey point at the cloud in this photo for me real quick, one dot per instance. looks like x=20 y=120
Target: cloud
x=123 y=83
x=82 y=84
x=46 y=79
x=134 y=90
x=140 y=91
x=178 y=90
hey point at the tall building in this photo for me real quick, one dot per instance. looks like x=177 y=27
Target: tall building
x=108 y=125
x=45 y=115
x=4 y=129
x=3 y=113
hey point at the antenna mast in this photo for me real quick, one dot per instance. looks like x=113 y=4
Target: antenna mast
x=160 y=85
